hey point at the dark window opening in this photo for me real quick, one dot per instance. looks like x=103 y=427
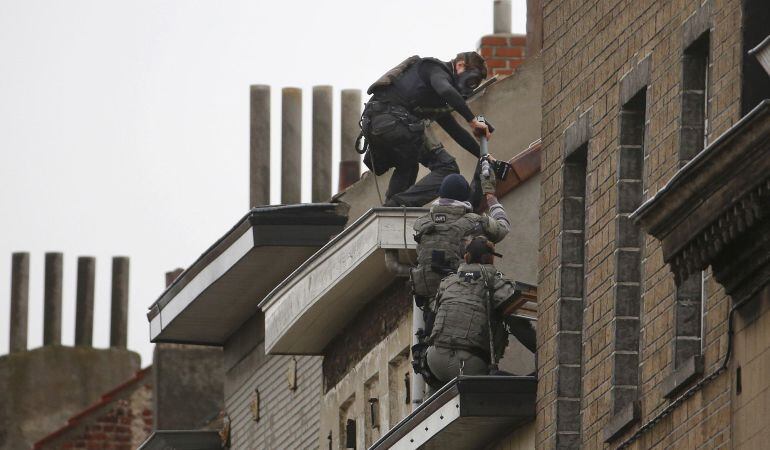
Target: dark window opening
x=350 y=433
x=692 y=140
x=571 y=293
x=755 y=84
x=695 y=76
x=628 y=252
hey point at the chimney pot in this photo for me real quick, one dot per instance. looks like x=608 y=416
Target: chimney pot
x=350 y=160
x=259 y=149
x=173 y=275
x=322 y=144
x=84 y=312
x=119 y=313
x=52 y=298
x=19 y=302
x=291 y=145
x=502 y=17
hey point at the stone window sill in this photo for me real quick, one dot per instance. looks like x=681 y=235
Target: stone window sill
x=621 y=421
x=682 y=376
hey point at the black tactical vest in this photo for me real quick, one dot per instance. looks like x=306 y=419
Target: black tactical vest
x=408 y=89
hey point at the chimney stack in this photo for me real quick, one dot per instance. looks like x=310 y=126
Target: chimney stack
x=84 y=308
x=52 y=299
x=19 y=302
x=291 y=145
x=503 y=51
x=322 y=144
x=259 y=149
x=501 y=15
x=119 y=313
x=173 y=275
x=350 y=160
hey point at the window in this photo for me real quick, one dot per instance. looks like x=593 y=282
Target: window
x=754 y=84
x=628 y=253
x=571 y=299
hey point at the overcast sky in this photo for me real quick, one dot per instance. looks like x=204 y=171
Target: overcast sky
x=124 y=125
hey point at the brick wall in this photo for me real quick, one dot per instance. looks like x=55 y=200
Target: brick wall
x=503 y=52
x=376 y=321
x=122 y=420
x=588 y=47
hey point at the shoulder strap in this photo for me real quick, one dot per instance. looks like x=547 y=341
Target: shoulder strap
x=393 y=74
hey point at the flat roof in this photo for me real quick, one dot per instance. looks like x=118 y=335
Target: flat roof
x=222 y=288
x=308 y=308
x=467 y=412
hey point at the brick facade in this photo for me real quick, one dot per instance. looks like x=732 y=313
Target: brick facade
x=591 y=52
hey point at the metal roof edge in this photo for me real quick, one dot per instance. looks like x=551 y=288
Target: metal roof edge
x=365 y=217
x=677 y=179
x=328 y=211
x=455 y=383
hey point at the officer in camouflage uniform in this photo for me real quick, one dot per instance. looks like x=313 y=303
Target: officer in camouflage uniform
x=441 y=237
x=468 y=310
x=394 y=121
x=443 y=233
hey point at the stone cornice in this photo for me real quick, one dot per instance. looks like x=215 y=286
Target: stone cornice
x=706 y=211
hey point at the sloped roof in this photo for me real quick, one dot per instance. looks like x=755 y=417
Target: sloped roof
x=119 y=392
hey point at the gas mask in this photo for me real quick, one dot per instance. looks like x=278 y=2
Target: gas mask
x=468 y=81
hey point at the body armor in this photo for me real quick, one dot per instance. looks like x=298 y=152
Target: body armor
x=461 y=316
x=441 y=236
x=403 y=85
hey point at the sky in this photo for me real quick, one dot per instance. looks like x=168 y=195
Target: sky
x=124 y=124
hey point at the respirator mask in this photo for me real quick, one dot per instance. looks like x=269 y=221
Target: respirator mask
x=468 y=81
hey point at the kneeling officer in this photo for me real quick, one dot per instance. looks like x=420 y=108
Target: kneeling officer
x=469 y=334
x=394 y=121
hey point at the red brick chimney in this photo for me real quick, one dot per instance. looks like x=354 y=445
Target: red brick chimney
x=504 y=52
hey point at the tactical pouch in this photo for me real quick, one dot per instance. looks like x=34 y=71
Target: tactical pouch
x=425 y=282
x=420 y=364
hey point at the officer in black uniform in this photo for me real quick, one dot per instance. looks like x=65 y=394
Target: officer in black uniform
x=404 y=101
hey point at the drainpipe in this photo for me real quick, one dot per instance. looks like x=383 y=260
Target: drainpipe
x=417 y=386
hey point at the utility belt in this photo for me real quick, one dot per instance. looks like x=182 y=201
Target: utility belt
x=374 y=107
x=475 y=351
x=379 y=119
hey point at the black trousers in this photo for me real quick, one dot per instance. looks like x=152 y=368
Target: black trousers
x=401 y=141
x=403 y=191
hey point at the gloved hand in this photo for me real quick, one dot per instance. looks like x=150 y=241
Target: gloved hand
x=488 y=183
x=480 y=129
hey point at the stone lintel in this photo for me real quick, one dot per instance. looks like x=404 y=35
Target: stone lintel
x=635 y=80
